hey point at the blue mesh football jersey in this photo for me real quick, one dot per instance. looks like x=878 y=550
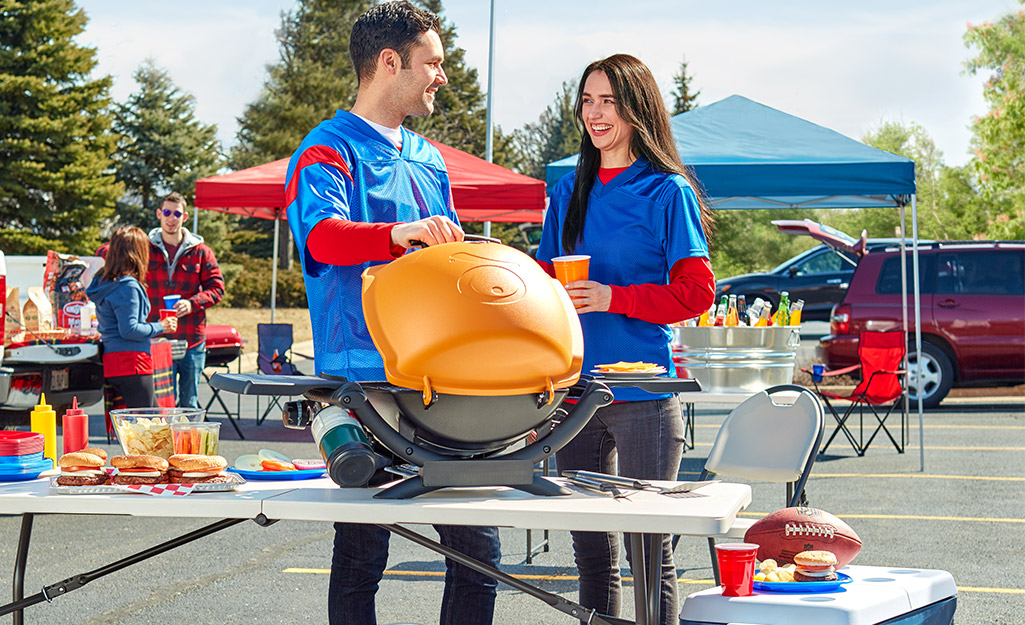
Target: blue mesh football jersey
x=637 y=227
x=345 y=169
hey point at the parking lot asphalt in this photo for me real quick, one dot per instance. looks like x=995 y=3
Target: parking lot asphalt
x=965 y=513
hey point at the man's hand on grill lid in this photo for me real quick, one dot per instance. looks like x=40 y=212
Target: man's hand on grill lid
x=433 y=230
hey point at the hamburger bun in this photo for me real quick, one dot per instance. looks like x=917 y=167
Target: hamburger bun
x=815 y=566
x=81 y=469
x=96 y=451
x=139 y=462
x=80 y=459
x=140 y=469
x=196 y=469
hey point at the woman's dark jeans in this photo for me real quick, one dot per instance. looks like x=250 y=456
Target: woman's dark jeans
x=361 y=555
x=647 y=439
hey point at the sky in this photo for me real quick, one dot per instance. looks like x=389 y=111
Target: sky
x=847 y=66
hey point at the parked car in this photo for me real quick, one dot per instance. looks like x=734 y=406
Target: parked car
x=972 y=312
x=819 y=276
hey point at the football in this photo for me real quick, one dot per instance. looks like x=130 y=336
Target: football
x=787 y=532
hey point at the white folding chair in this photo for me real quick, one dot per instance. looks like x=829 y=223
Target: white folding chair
x=763 y=440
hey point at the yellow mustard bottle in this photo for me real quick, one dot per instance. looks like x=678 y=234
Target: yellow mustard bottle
x=44 y=421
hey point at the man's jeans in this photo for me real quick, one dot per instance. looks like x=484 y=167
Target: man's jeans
x=361 y=555
x=187 y=372
x=648 y=437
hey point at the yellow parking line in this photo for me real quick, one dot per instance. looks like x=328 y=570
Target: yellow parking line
x=932 y=447
x=911 y=517
x=989 y=478
x=682 y=580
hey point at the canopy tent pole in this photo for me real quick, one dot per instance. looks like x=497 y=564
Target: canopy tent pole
x=274 y=267
x=489 y=137
x=918 y=330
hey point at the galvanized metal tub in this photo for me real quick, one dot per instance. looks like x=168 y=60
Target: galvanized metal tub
x=736 y=359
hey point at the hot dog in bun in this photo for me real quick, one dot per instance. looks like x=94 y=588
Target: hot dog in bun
x=81 y=469
x=139 y=469
x=197 y=469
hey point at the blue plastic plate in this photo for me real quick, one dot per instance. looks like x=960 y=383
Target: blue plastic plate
x=24 y=472
x=307 y=474
x=20 y=461
x=804 y=587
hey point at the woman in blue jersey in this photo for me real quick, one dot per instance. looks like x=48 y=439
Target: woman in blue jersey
x=635 y=209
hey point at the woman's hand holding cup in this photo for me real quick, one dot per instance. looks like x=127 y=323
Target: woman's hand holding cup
x=169 y=321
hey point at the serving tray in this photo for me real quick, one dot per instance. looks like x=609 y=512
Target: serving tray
x=111 y=489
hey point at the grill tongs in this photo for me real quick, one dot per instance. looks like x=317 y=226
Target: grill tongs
x=604 y=482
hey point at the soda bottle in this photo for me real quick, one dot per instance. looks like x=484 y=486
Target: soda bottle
x=764 y=318
x=741 y=310
x=706 y=317
x=795 y=312
x=783 y=314
x=732 y=317
x=720 y=313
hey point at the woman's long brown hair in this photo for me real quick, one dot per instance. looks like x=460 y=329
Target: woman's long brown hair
x=639 y=103
x=128 y=255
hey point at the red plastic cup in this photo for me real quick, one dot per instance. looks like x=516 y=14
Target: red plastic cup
x=166 y=313
x=736 y=568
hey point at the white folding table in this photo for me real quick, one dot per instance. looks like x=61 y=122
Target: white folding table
x=710 y=510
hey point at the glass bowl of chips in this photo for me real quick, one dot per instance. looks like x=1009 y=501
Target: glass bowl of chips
x=148 y=430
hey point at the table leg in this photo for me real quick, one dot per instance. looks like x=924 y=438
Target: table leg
x=640 y=572
x=19 y=565
x=654 y=577
x=689 y=416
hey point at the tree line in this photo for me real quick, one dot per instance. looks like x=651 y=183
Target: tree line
x=74 y=163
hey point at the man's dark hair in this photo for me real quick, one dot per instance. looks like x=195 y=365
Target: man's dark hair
x=177 y=198
x=393 y=25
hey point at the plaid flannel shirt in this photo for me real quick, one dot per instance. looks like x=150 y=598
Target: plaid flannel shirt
x=193 y=273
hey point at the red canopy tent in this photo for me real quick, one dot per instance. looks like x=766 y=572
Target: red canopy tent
x=481 y=191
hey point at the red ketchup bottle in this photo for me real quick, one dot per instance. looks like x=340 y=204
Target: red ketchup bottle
x=75 y=428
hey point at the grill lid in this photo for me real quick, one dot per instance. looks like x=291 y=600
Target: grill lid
x=472 y=319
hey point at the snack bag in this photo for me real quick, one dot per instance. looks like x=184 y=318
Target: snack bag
x=37 y=314
x=12 y=317
x=64 y=281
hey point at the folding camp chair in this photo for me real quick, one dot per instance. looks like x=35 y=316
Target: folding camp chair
x=274 y=357
x=881 y=355
x=765 y=441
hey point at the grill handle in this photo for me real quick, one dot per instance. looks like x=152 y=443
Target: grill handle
x=472 y=238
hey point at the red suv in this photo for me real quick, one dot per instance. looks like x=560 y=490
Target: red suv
x=972 y=310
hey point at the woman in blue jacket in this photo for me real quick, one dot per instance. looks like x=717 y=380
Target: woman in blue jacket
x=119 y=292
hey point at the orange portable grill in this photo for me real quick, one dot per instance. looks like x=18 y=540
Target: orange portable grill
x=480 y=348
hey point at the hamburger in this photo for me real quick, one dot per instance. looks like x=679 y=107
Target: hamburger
x=197 y=469
x=96 y=451
x=815 y=566
x=139 y=470
x=81 y=469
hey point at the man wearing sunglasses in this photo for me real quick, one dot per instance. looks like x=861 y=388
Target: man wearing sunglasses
x=180 y=263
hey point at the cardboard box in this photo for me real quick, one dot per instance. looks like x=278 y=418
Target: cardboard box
x=12 y=318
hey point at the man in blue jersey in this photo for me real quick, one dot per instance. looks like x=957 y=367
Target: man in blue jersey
x=359 y=189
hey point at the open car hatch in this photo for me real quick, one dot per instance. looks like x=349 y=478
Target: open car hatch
x=821 y=232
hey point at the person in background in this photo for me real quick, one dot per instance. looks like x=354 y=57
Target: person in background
x=359 y=189
x=119 y=292
x=636 y=210
x=182 y=264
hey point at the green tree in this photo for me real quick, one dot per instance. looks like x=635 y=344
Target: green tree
x=56 y=183
x=999 y=135
x=683 y=99
x=163 y=147
x=553 y=136
x=746 y=241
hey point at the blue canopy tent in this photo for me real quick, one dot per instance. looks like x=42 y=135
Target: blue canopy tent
x=750 y=156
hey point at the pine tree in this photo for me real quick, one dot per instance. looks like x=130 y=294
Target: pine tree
x=683 y=99
x=313 y=78
x=56 y=182
x=553 y=136
x=163 y=147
